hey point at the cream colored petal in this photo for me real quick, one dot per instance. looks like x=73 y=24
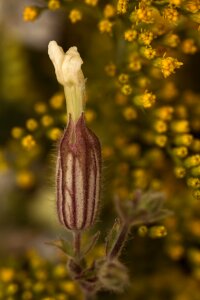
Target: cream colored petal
x=56 y=55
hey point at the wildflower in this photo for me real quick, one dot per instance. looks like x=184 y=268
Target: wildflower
x=79 y=154
x=161 y=140
x=123 y=78
x=134 y=63
x=171 y=40
x=130 y=35
x=156 y=232
x=105 y=26
x=54 y=4
x=122 y=6
x=196 y=194
x=168 y=65
x=149 y=52
x=109 y=11
x=91 y=2
x=180 y=152
x=25 y=179
x=40 y=107
x=129 y=113
x=180 y=172
x=54 y=134
x=146 y=37
x=30 y=13
x=188 y=46
x=126 y=89
x=147 y=100
x=170 y=14
x=165 y=113
x=57 y=100
x=17 y=132
x=144 y=14
x=46 y=120
x=181 y=126
x=28 y=142
x=183 y=140
x=110 y=69
x=160 y=126
x=193 y=182
x=75 y=15
x=31 y=124
x=142 y=231
x=192 y=161
x=192 y=6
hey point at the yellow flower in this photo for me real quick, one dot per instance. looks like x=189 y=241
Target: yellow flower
x=193 y=182
x=149 y=52
x=147 y=100
x=91 y=2
x=156 y=232
x=30 y=13
x=168 y=65
x=105 y=26
x=110 y=69
x=192 y=6
x=31 y=124
x=171 y=14
x=25 y=179
x=130 y=35
x=146 y=37
x=126 y=89
x=75 y=15
x=55 y=133
x=122 y=6
x=144 y=14
x=188 y=46
x=54 y=4
x=129 y=113
x=28 y=142
x=180 y=152
x=109 y=11
x=161 y=140
x=180 y=172
x=17 y=132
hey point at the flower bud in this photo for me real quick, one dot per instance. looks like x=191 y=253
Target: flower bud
x=78 y=176
x=79 y=154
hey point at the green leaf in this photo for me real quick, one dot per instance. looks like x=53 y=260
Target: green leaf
x=111 y=238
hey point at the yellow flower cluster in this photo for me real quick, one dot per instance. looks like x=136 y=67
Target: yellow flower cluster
x=122 y=6
x=30 y=13
x=75 y=15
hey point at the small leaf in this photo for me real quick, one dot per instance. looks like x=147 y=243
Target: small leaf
x=91 y=244
x=62 y=245
x=111 y=238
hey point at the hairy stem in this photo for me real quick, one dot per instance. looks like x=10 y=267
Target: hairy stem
x=77 y=244
x=119 y=243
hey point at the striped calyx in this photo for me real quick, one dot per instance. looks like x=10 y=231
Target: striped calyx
x=78 y=176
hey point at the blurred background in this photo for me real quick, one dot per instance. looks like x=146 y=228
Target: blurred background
x=143 y=104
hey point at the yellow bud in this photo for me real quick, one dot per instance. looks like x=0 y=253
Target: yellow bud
x=183 y=140
x=40 y=107
x=192 y=161
x=54 y=4
x=17 y=132
x=126 y=89
x=25 y=179
x=31 y=124
x=109 y=11
x=57 y=101
x=157 y=232
x=130 y=35
x=181 y=126
x=160 y=126
x=180 y=172
x=129 y=113
x=75 y=15
x=180 y=152
x=30 y=13
x=28 y=142
x=161 y=140
x=46 y=120
x=142 y=231
x=54 y=134
x=196 y=194
x=193 y=182
x=105 y=26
